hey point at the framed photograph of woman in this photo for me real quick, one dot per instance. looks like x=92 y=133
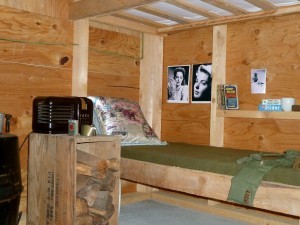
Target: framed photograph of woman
x=178 y=84
x=202 y=78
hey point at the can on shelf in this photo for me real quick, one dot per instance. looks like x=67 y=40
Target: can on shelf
x=73 y=127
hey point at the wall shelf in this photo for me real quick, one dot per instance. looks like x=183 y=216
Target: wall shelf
x=257 y=114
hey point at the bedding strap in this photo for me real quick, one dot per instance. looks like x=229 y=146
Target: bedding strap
x=245 y=183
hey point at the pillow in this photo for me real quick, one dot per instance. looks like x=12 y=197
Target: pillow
x=119 y=116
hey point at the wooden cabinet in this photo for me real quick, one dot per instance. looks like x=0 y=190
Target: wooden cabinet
x=57 y=174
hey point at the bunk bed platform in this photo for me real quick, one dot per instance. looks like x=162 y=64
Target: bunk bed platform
x=207 y=172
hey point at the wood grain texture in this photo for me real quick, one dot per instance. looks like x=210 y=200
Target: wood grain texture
x=30 y=27
x=113 y=85
x=186 y=122
x=115 y=43
x=53 y=8
x=219 y=69
x=270 y=44
x=113 y=69
x=80 y=58
x=35 y=60
x=151 y=81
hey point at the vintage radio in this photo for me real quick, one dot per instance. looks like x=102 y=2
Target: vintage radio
x=51 y=114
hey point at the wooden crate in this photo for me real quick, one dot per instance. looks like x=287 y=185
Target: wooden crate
x=53 y=172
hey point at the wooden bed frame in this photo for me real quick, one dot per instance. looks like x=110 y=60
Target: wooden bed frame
x=269 y=196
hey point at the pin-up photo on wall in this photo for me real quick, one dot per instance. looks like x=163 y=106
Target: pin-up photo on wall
x=201 y=85
x=178 y=84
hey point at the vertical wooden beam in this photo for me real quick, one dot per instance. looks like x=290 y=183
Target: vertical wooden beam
x=80 y=58
x=219 y=77
x=151 y=68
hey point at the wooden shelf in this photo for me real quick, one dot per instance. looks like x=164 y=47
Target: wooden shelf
x=258 y=114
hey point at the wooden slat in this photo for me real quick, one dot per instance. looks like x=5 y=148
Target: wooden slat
x=270 y=196
x=124 y=23
x=258 y=114
x=219 y=77
x=263 y=4
x=138 y=19
x=87 y=8
x=222 y=4
x=151 y=81
x=80 y=58
x=163 y=14
x=230 y=19
x=192 y=8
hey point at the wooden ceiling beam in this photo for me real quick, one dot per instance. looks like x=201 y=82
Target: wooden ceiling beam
x=138 y=19
x=88 y=8
x=162 y=14
x=227 y=7
x=126 y=24
x=263 y=4
x=192 y=8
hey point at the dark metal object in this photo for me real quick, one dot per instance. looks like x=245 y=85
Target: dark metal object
x=10 y=179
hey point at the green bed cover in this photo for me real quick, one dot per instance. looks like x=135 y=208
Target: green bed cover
x=205 y=158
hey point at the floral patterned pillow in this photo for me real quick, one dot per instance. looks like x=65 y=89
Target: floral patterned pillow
x=118 y=116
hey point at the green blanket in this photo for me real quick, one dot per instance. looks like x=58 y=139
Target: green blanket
x=245 y=183
x=206 y=158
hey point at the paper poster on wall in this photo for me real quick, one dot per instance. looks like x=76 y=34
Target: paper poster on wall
x=178 y=84
x=258 y=81
x=201 y=87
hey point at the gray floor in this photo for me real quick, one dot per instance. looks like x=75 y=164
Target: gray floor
x=155 y=213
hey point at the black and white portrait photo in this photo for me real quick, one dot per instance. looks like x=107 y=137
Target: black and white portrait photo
x=202 y=78
x=178 y=84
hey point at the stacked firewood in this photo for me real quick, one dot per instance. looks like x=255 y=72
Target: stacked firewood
x=95 y=183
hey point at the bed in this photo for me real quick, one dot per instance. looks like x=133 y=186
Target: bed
x=198 y=170
x=207 y=171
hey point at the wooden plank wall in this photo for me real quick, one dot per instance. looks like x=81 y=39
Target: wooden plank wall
x=186 y=122
x=53 y=8
x=114 y=62
x=35 y=60
x=273 y=44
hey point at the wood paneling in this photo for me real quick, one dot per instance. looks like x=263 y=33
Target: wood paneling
x=114 y=64
x=35 y=60
x=53 y=8
x=272 y=44
x=101 y=84
x=115 y=43
x=186 y=122
x=262 y=134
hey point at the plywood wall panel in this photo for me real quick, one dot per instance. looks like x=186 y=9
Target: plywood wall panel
x=20 y=25
x=270 y=44
x=53 y=8
x=100 y=84
x=186 y=122
x=115 y=65
x=36 y=54
x=115 y=43
x=113 y=68
x=262 y=134
x=186 y=131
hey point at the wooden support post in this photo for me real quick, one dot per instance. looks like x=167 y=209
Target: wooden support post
x=151 y=80
x=219 y=77
x=80 y=58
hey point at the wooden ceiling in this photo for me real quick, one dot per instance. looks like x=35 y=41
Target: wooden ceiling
x=169 y=16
